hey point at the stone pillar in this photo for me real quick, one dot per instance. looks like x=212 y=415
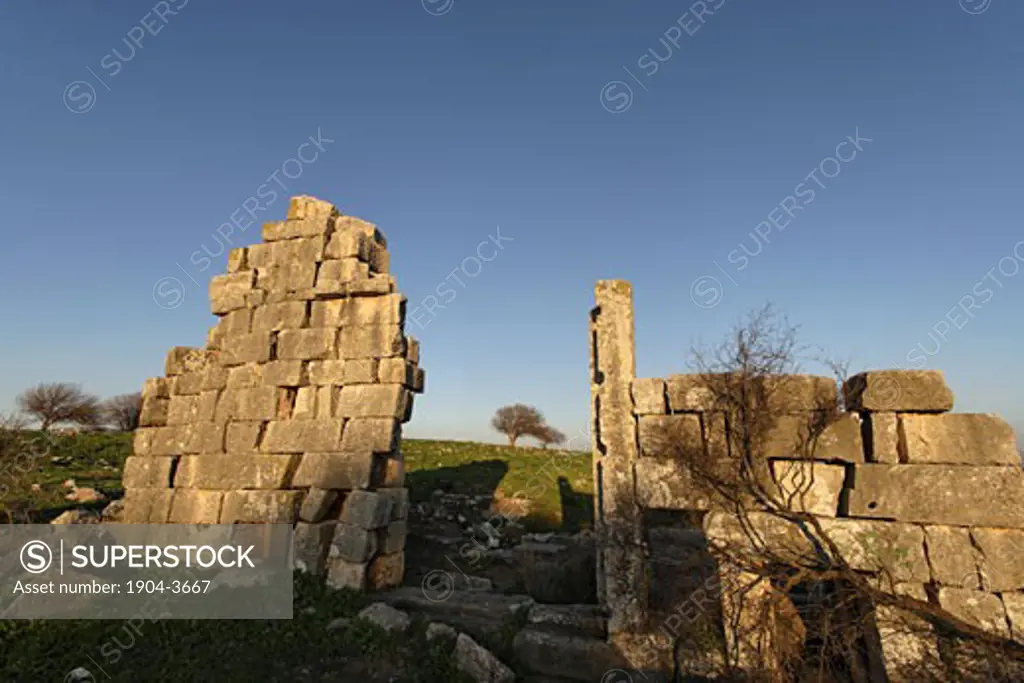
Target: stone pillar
x=622 y=580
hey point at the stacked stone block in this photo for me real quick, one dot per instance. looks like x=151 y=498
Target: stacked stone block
x=293 y=411
x=925 y=502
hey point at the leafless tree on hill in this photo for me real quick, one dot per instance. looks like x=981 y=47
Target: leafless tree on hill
x=53 y=403
x=123 y=411
x=516 y=421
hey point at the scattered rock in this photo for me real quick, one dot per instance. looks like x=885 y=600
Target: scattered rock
x=386 y=616
x=36 y=487
x=339 y=624
x=437 y=630
x=68 y=484
x=558 y=573
x=68 y=517
x=84 y=495
x=479 y=664
x=113 y=512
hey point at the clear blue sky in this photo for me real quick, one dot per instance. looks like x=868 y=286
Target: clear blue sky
x=452 y=118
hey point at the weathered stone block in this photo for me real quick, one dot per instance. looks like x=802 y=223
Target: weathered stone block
x=689 y=393
x=156 y=387
x=412 y=351
x=939 y=494
x=373 y=435
x=668 y=484
x=271 y=507
x=192 y=506
x=243 y=437
x=809 y=486
x=392 y=471
x=373 y=400
x=392 y=537
x=812 y=436
x=210 y=436
x=326 y=400
x=366 y=509
x=284 y=373
x=348 y=244
x=311 y=542
x=142 y=441
x=371 y=341
x=182 y=410
x=1014 y=604
x=154 y=412
x=981 y=609
x=255 y=403
x=173 y=441
x=353 y=544
x=299 y=250
x=291 y=277
x=228 y=292
x=147 y=506
x=396 y=370
x=246 y=348
x=334 y=471
x=189 y=383
x=206 y=406
x=867 y=545
x=230 y=472
x=311 y=344
x=282 y=315
x=237 y=260
x=957 y=439
x=361 y=371
x=899 y=391
x=380 y=259
x=309 y=208
x=884 y=446
x=386 y=571
x=419 y=379
x=246 y=376
x=301 y=436
x=951 y=556
x=317 y=504
x=305 y=404
x=215 y=377
x=334 y=274
x=1001 y=557
x=649 y=396
x=147 y=472
x=236 y=322
x=366 y=228
x=342 y=574
x=399 y=502
x=671 y=436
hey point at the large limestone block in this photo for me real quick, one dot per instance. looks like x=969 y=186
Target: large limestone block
x=689 y=393
x=957 y=438
x=812 y=436
x=371 y=341
x=386 y=571
x=154 y=412
x=306 y=207
x=302 y=436
x=908 y=644
x=192 y=506
x=347 y=243
x=283 y=315
x=334 y=471
x=900 y=391
x=371 y=434
x=366 y=228
x=305 y=407
x=669 y=484
x=952 y=556
x=342 y=372
x=808 y=486
x=147 y=472
x=173 y=441
x=884 y=445
x=242 y=437
x=649 y=396
x=399 y=502
x=292 y=277
x=392 y=537
x=396 y=370
x=310 y=344
x=334 y=274
x=297 y=228
x=246 y=348
x=271 y=507
x=182 y=410
x=412 y=350
x=780 y=393
x=671 y=436
x=228 y=292
x=284 y=373
x=246 y=376
x=147 y=506
x=182 y=359
x=312 y=542
x=1001 y=558
x=316 y=504
x=343 y=574
x=981 y=609
x=255 y=403
x=302 y=250
x=157 y=387
x=373 y=400
x=800 y=393
x=353 y=544
x=939 y=494
x=189 y=383
x=366 y=509
x=229 y=472
x=867 y=545
x=210 y=436
x=1014 y=604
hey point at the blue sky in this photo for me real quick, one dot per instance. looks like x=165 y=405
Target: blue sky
x=450 y=118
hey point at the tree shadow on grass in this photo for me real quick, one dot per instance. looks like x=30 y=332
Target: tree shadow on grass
x=476 y=478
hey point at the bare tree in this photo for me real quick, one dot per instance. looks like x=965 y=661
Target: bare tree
x=793 y=605
x=123 y=411
x=517 y=420
x=55 y=402
x=548 y=435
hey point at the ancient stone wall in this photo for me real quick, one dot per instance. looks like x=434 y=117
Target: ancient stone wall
x=926 y=502
x=292 y=412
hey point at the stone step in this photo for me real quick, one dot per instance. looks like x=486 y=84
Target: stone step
x=583 y=620
x=481 y=615
x=545 y=651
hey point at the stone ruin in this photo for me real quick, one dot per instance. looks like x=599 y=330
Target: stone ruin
x=292 y=412
x=925 y=502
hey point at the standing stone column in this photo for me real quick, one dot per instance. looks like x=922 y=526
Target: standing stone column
x=622 y=584
x=293 y=411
